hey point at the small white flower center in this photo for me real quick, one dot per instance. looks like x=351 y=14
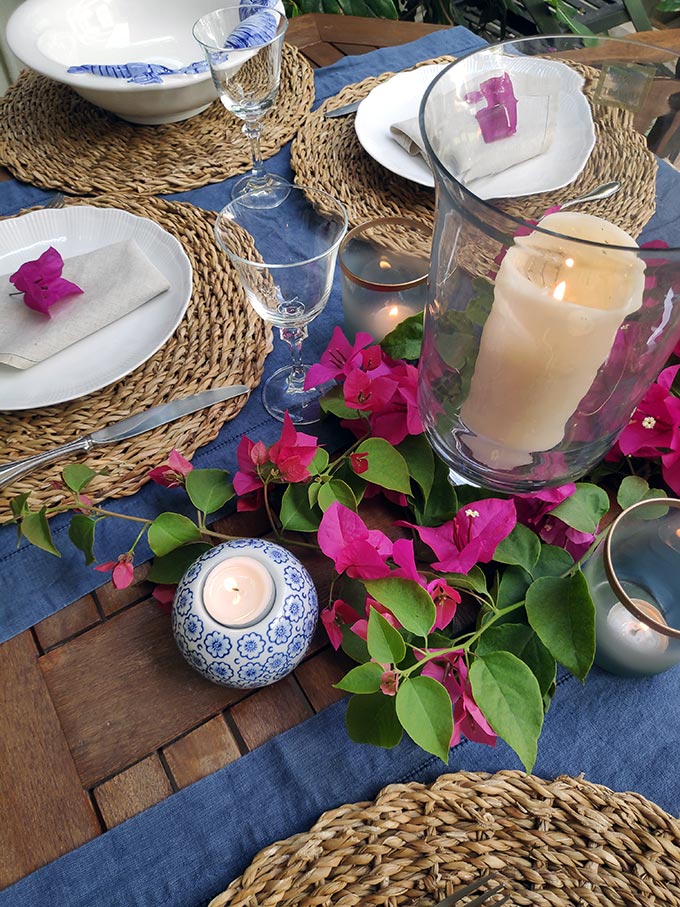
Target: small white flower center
x=471 y=513
x=648 y=422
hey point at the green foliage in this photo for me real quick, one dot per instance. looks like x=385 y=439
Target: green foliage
x=35 y=528
x=406 y=340
x=170 y=568
x=77 y=477
x=562 y=613
x=385 y=644
x=380 y=9
x=297 y=514
x=373 y=719
x=584 y=509
x=209 y=489
x=81 y=532
x=424 y=709
x=386 y=466
x=406 y=600
x=171 y=530
x=365 y=678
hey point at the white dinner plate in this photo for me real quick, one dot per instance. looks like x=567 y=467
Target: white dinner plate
x=399 y=99
x=117 y=349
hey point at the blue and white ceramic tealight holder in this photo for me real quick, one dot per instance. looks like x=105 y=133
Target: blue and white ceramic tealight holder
x=244 y=613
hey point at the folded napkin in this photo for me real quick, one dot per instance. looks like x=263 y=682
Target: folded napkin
x=115 y=280
x=502 y=117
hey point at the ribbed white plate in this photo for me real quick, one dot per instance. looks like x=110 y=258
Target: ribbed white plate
x=117 y=349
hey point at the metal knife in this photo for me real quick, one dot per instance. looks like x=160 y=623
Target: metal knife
x=126 y=428
x=342 y=111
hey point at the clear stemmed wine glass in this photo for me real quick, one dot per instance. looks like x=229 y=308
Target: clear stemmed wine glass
x=242 y=45
x=285 y=259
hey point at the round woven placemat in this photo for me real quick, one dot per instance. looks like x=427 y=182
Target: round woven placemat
x=219 y=341
x=563 y=842
x=53 y=138
x=326 y=153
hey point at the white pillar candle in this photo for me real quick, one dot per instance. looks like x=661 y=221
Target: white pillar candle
x=238 y=592
x=557 y=307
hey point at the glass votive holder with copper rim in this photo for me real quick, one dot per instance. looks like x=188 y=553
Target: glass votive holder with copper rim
x=634 y=580
x=384 y=264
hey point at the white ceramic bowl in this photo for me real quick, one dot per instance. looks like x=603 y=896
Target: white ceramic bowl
x=49 y=36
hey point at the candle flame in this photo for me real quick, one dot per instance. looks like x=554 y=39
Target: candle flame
x=384 y=264
x=569 y=262
x=560 y=290
x=394 y=311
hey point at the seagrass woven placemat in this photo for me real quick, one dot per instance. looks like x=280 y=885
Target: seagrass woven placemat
x=553 y=843
x=53 y=138
x=219 y=341
x=326 y=153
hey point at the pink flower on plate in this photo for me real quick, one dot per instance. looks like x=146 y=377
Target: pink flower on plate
x=354 y=548
x=338 y=359
x=173 y=473
x=122 y=570
x=293 y=452
x=41 y=282
x=471 y=537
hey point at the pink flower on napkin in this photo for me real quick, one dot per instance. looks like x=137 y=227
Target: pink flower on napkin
x=41 y=282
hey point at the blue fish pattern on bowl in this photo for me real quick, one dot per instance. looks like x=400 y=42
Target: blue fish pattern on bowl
x=251 y=656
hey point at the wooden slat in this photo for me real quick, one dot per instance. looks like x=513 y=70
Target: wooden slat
x=122 y=690
x=317 y=675
x=70 y=621
x=141 y=786
x=205 y=750
x=270 y=711
x=45 y=811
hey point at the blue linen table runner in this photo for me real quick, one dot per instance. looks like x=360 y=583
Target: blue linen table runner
x=36 y=584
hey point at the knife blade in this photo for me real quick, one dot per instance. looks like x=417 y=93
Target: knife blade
x=342 y=111
x=123 y=429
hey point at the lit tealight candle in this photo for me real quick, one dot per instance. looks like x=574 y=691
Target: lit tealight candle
x=634 y=633
x=238 y=592
x=382 y=321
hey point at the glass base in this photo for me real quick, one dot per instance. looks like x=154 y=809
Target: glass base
x=269 y=192
x=301 y=405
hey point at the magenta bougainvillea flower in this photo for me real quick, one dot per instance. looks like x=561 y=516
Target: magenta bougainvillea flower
x=293 y=452
x=339 y=358
x=41 y=282
x=173 y=473
x=451 y=671
x=332 y=618
x=534 y=510
x=446 y=599
x=122 y=570
x=164 y=594
x=471 y=537
x=354 y=548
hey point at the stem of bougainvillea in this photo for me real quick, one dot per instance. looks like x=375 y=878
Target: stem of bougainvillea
x=136 y=541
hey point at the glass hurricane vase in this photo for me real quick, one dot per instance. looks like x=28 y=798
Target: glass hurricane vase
x=547 y=321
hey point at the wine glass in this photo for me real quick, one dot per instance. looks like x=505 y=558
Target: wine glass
x=242 y=45
x=285 y=258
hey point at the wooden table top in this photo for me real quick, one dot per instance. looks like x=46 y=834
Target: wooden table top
x=100 y=717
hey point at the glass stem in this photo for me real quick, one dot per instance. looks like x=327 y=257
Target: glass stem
x=253 y=131
x=294 y=336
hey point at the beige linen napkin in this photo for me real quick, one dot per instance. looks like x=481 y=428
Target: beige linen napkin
x=464 y=152
x=115 y=280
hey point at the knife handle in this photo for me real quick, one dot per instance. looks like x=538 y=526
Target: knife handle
x=11 y=471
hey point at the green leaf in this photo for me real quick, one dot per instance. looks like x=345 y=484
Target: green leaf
x=522 y=547
x=386 y=466
x=409 y=602
x=633 y=489
x=584 y=509
x=171 y=567
x=512 y=587
x=425 y=712
x=35 y=528
x=334 y=403
x=508 y=694
x=552 y=561
x=668 y=6
x=474 y=581
x=562 y=613
x=385 y=643
x=354 y=646
x=19 y=504
x=442 y=503
x=363 y=679
x=81 y=533
x=320 y=462
x=479 y=307
x=171 y=530
x=372 y=718
x=382 y=9
x=77 y=477
x=336 y=490
x=296 y=513
x=406 y=340
x=209 y=489
x=522 y=641
x=345 y=473
x=313 y=490
x=419 y=457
